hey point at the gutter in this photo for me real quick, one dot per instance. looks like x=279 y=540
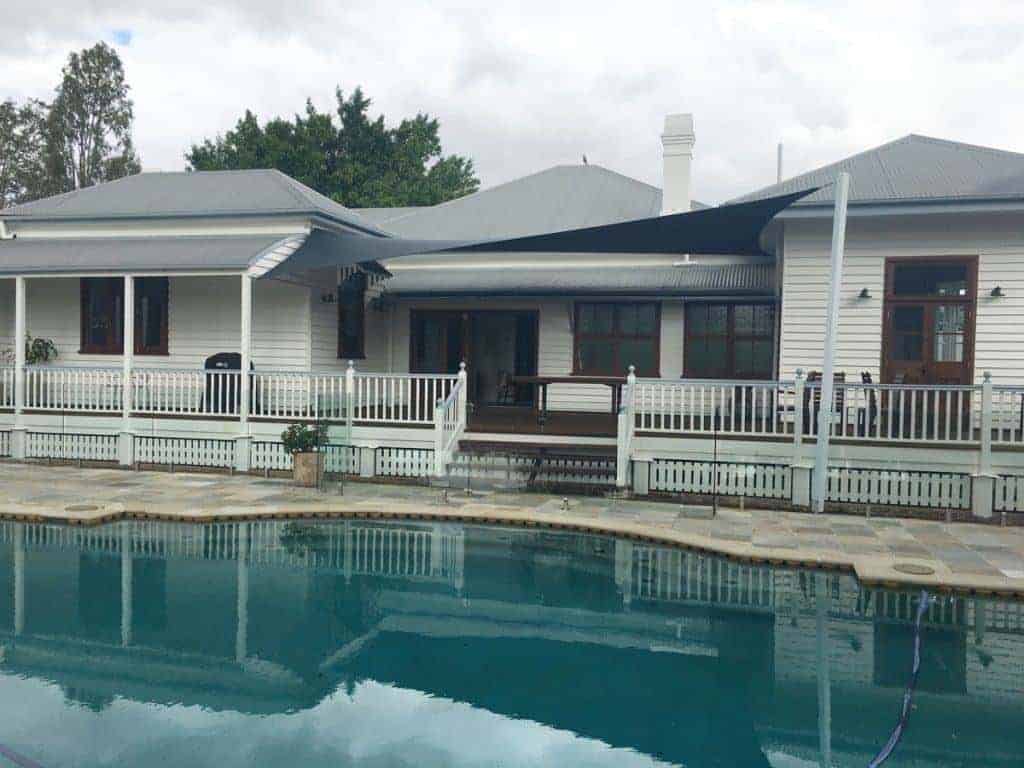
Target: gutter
x=905 y=208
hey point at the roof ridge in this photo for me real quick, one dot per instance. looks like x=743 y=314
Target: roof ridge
x=964 y=145
x=288 y=184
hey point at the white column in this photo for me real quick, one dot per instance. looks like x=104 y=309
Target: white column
x=831 y=328
x=242 y=627
x=984 y=481
x=126 y=441
x=244 y=441
x=18 y=434
x=126 y=585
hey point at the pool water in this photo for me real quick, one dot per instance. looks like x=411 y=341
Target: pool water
x=370 y=644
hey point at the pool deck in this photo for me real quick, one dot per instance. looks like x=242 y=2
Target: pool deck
x=965 y=557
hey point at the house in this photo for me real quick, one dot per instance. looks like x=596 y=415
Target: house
x=393 y=351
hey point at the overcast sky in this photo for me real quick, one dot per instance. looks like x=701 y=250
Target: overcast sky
x=520 y=88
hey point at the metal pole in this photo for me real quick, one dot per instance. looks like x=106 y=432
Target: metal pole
x=831 y=327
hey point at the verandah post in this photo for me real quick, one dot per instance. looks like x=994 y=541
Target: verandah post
x=983 y=483
x=463 y=397
x=18 y=433
x=243 y=443
x=126 y=440
x=801 y=470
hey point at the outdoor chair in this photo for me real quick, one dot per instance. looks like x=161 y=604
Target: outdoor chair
x=811 y=409
x=867 y=417
x=506 y=394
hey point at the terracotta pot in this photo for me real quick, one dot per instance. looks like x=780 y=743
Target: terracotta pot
x=306 y=468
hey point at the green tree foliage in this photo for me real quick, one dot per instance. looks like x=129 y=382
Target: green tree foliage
x=21 y=144
x=79 y=139
x=346 y=156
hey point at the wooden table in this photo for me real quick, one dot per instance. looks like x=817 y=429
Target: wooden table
x=540 y=383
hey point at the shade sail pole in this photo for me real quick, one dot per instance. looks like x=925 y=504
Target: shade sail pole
x=831 y=327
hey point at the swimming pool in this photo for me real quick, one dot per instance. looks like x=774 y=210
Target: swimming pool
x=435 y=644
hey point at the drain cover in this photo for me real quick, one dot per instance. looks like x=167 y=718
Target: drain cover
x=81 y=508
x=913 y=569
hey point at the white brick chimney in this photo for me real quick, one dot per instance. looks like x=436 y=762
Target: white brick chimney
x=677 y=150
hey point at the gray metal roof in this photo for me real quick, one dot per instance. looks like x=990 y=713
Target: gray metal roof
x=693 y=280
x=200 y=193
x=559 y=198
x=913 y=169
x=381 y=216
x=55 y=256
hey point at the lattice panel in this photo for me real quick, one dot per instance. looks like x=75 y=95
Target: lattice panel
x=762 y=481
x=945 y=490
x=185 y=451
x=5 y=444
x=404 y=462
x=71 y=446
x=1009 y=494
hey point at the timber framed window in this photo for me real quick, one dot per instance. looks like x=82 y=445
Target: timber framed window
x=729 y=341
x=611 y=336
x=352 y=317
x=102 y=315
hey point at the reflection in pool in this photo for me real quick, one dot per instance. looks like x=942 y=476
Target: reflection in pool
x=371 y=644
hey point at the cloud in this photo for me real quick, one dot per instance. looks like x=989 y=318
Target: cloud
x=519 y=87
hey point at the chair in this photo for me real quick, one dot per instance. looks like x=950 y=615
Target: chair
x=811 y=410
x=506 y=392
x=867 y=417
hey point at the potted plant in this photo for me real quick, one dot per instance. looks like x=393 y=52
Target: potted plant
x=304 y=442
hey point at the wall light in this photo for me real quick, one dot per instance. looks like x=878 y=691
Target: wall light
x=996 y=292
x=864 y=294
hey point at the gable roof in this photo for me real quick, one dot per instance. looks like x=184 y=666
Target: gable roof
x=913 y=169
x=183 y=193
x=558 y=198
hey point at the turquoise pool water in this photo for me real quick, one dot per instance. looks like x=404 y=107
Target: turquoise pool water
x=365 y=644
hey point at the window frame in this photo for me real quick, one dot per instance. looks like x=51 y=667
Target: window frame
x=351 y=295
x=115 y=309
x=615 y=338
x=731 y=338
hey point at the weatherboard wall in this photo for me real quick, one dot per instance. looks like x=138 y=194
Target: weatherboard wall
x=997 y=241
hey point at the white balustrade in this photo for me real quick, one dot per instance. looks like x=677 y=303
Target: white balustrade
x=1007 y=413
x=708 y=406
x=399 y=398
x=298 y=396
x=185 y=392
x=449 y=424
x=66 y=389
x=6 y=387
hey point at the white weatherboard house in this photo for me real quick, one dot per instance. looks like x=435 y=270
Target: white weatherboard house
x=166 y=267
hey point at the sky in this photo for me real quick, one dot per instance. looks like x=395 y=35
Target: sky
x=522 y=87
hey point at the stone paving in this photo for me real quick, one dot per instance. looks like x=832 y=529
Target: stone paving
x=961 y=556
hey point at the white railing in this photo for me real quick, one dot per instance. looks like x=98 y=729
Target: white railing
x=897 y=412
x=1007 y=413
x=710 y=406
x=185 y=391
x=298 y=396
x=626 y=430
x=449 y=424
x=6 y=386
x=399 y=398
x=58 y=388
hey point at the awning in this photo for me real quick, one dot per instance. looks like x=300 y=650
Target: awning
x=731 y=230
x=125 y=254
x=688 y=280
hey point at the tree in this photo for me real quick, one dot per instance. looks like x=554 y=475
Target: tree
x=354 y=160
x=21 y=143
x=88 y=126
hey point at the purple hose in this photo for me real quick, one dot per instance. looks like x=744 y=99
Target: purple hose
x=908 y=694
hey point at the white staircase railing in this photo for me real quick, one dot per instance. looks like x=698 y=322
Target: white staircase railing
x=449 y=423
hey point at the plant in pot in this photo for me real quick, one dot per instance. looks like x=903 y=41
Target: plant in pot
x=37 y=350
x=304 y=443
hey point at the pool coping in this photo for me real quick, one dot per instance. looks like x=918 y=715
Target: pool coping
x=870 y=570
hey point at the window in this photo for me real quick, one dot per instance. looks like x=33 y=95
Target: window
x=729 y=341
x=102 y=331
x=610 y=337
x=352 y=317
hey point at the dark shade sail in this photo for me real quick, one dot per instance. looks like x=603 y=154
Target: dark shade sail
x=731 y=230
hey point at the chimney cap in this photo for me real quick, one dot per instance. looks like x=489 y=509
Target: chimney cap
x=679 y=124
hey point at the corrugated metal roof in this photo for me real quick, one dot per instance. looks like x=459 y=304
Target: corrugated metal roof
x=559 y=198
x=200 y=193
x=54 y=256
x=692 y=280
x=381 y=216
x=914 y=168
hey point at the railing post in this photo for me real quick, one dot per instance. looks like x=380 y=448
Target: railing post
x=983 y=483
x=350 y=399
x=439 y=458
x=463 y=397
x=624 y=431
x=800 y=485
x=126 y=440
x=18 y=433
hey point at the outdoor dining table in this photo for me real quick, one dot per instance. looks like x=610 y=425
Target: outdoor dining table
x=541 y=383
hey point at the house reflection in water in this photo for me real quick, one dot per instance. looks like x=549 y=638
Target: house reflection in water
x=687 y=659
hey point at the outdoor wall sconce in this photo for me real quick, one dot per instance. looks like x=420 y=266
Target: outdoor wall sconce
x=864 y=294
x=997 y=292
